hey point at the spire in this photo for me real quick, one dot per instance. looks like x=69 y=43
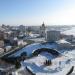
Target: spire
x=43 y=24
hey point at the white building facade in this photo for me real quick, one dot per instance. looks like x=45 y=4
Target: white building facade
x=52 y=36
x=42 y=30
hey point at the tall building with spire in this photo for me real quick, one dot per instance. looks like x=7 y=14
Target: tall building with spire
x=42 y=30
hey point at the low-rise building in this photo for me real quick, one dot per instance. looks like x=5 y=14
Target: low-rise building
x=7 y=48
x=7 y=35
x=1 y=33
x=20 y=42
x=1 y=50
x=1 y=43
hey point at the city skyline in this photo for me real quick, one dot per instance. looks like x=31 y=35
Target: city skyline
x=34 y=12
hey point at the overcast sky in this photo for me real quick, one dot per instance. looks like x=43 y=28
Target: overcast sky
x=34 y=12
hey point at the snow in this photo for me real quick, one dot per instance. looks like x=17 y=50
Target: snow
x=71 y=56
x=63 y=41
x=70 y=31
x=21 y=71
x=40 y=59
x=30 y=48
x=60 y=65
x=34 y=35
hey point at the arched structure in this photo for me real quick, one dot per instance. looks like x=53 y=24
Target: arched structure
x=52 y=51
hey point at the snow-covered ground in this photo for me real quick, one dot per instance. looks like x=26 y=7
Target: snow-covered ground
x=21 y=71
x=60 y=65
x=70 y=31
x=71 y=56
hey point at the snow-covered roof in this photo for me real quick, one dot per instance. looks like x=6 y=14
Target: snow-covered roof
x=34 y=35
x=62 y=41
x=15 y=38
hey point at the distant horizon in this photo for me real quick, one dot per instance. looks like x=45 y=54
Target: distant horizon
x=35 y=25
x=34 y=12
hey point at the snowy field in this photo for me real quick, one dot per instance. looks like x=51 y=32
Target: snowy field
x=60 y=65
x=70 y=31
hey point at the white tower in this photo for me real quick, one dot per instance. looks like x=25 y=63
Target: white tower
x=42 y=30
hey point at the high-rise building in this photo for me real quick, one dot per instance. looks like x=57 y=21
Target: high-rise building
x=52 y=35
